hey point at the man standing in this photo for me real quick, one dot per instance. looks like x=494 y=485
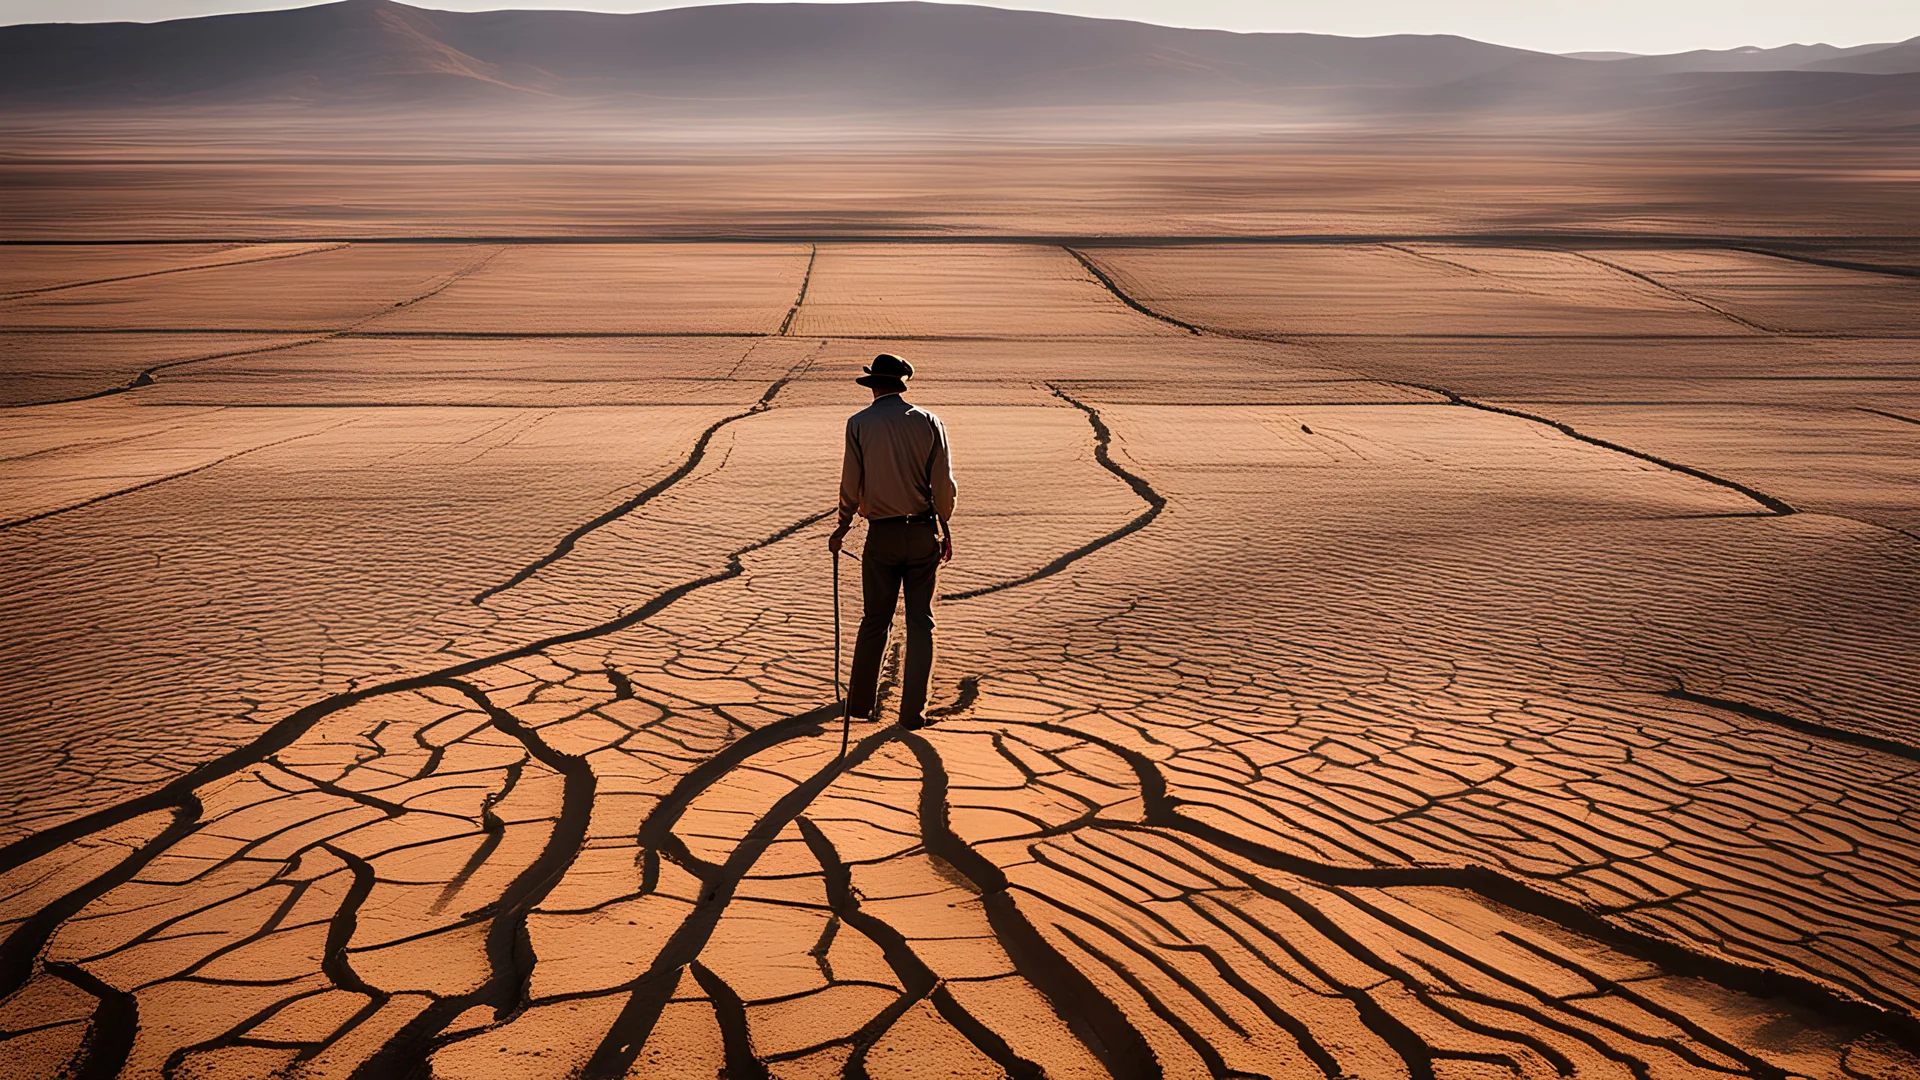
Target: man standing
x=897 y=475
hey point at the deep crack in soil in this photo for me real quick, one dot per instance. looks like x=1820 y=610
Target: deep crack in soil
x=1114 y=973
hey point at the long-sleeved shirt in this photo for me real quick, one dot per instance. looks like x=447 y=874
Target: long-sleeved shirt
x=897 y=464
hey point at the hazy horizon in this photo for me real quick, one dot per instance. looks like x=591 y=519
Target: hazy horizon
x=1640 y=26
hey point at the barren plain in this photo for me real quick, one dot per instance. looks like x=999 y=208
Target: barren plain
x=1463 y=638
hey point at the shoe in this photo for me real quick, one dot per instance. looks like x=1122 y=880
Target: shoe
x=862 y=715
x=913 y=723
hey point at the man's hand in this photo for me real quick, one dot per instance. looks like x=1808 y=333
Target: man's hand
x=946 y=542
x=839 y=537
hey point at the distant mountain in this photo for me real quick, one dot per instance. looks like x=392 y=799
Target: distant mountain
x=1890 y=60
x=1751 y=58
x=899 y=53
x=796 y=60
x=1600 y=55
x=1764 y=99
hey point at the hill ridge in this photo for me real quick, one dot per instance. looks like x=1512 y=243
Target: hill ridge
x=798 y=59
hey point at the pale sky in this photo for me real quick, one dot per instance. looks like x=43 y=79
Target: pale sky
x=1645 y=26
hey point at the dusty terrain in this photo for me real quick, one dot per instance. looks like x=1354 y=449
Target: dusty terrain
x=1446 y=654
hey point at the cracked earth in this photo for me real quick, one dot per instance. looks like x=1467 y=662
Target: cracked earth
x=1374 y=660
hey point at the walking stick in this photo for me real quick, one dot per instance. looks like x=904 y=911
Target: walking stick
x=846 y=722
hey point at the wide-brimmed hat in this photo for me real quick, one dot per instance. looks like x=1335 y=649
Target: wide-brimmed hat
x=886 y=370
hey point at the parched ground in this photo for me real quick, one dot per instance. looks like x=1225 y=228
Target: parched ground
x=1439 y=659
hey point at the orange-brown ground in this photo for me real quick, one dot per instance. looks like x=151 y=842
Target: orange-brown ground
x=1439 y=657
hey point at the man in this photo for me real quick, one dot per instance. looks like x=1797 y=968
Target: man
x=898 y=476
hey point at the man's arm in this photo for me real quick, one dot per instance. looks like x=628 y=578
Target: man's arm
x=852 y=481
x=940 y=480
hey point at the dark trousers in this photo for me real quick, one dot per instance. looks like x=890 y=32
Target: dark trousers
x=898 y=555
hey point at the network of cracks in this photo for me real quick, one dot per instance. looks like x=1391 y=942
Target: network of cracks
x=1331 y=810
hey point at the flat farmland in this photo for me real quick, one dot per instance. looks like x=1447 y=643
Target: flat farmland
x=322 y=289
x=962 y=291
x=1441 y=657
x=1395 y=289
x=683 y=289
x=1782 y=294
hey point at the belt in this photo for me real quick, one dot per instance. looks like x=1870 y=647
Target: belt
x=909 y=519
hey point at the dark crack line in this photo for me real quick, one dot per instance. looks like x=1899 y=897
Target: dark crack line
x=295 y=891
x=346 y=919
x=110 y=1031
x=509 y=949
x=1673 y=292
x=651 y=991
x=801 y=298
x=656 y=832
x=1754 y=1065
x=1792 y=723
x=1120 y=294
x=453 y=279
x=1100 y=1025
x=89 y=445
x=1836 y=264
x=22 y=294
x=22 y=947
x=915 y=976
x=1162 y=813
x=1888 y=415
x=653 y=490
x=367 y=799
x=1772 y=505
x=148 y=376
x=1391 y=1030
x=233 y=1036
x=736 y=1040
x=158 y=480
x=1298 y=1029
x=1450 y=264
x=495 y=831
x=565 y=545
x=1202 y=1047
x=1102 y=440
x=1599 y=1043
